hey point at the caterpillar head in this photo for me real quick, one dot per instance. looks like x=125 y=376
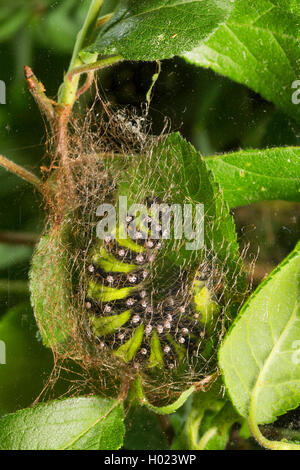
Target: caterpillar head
x=137 y=300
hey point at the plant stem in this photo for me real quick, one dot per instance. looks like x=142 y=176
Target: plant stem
x=87 y=28
x=58 y=114
x=264 y=442
x=100 y=64
x=20 y=171
x=206 y=438
x=69 y=88
x=154 y=80
x=37 y=90
x=68 y=445
x=19 y=238
x=68 y=92
x=13 y=287
x=88 y=82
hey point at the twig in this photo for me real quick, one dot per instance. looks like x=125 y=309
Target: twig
x=86 y=30
x=13 y=287
x=63 y=117
x=67 y=95
x=58 y=114
x=86 y=85
x=20 y=171
x=19 y=238
x=99 y=64
x=37 y=90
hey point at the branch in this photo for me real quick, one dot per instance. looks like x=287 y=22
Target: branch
x=86 y=30
x=86 y=85
x=37 y=90
x=19 y=238
x=13 y=287
x=20 y=171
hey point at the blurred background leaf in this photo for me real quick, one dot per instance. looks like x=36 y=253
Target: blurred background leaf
x=143 y=431
x=28 y=363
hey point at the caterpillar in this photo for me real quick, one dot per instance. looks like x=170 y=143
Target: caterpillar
x=124 y=315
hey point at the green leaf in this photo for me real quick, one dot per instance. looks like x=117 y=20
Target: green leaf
x=259 y=47
x=84 y=423
x=255 y=175
x=160 y=29
x=260 y=355
x=174 y=173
